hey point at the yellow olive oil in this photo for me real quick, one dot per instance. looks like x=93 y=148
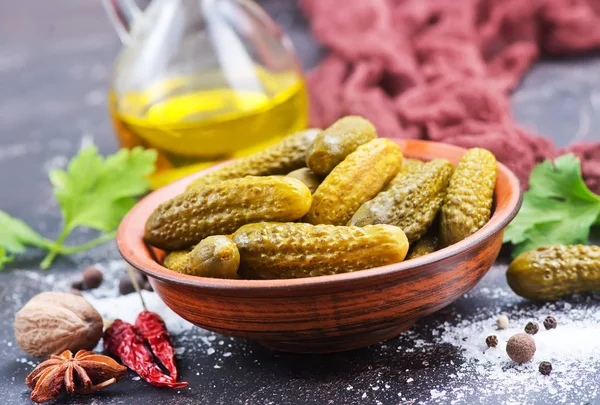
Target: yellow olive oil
x=192 y=126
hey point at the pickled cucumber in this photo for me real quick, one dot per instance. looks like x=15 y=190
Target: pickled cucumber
x=219 y=209
x=427 y=244
x=178 y=261
x=550 y=272
x=468 y=203
x=333 y=144
x=411 y=203
x=216 y=256
x=354 y=181
x=410 y=165
x=308 y=177
x=291 y=250
x=283 y=157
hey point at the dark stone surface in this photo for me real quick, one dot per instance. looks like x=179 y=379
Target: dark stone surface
x=55 y=60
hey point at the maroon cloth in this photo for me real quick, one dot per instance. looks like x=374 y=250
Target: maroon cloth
x=443 y=69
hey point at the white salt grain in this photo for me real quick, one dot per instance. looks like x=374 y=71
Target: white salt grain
x=573 y=348
x=127 y=307
x=502 y=322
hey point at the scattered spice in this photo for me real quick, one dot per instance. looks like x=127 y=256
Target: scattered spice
x=92 y=277
x=550 y=323
x=502 y=322
x=153 y=330
x=123 y=340
x=77 y=285
x=491 y=341
x=126 y=285
x=83 y=373
x=545 y=367
x=532 y=328
x=520 y=348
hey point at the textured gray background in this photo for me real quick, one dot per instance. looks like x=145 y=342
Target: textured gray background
x=55 y=61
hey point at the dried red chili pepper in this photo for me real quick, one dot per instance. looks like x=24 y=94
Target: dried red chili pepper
x=124 y=341
x=153 y=329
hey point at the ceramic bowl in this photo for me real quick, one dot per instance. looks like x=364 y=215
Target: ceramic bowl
x=328 y=313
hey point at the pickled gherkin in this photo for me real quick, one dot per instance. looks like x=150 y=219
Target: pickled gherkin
x=177 y=261
x=412 y=202
x=354 y=181
x=308 y=177
x=408 y=166
x=427 y=244
x=216 y=256
x=411 y=165
x=219 y=209
x=283 y=157
x=292 y=250
x=550 y=272
x=468 y=202
x=333 y=144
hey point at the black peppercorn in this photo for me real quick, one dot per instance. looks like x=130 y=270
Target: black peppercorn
x=92 y=277
x=77 y=285
x=491 y=341
x=550 y=323
x=545 y=367
x=532 y=328
x=126 y=286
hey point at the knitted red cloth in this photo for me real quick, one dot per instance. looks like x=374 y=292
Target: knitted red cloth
x=443 y=69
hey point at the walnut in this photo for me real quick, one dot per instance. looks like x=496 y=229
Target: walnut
x=52 y=322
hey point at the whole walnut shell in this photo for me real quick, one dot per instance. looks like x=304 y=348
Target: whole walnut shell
x=52 y=322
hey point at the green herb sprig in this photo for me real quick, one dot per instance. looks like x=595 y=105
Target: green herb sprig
x=558 y=208
x=93 y=192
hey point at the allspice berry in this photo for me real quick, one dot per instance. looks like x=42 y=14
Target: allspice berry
x=127 y=287
x=550 y=323
x=491 y=341
x=502 y=322
x=92 y=277
x=520 y=348
x=77 y=285
x=532 y=328
x=545 y=367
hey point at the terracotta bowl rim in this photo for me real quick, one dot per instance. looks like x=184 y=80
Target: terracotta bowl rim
x=134 y=250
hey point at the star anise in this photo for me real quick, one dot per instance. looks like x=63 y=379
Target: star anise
x=84 y=373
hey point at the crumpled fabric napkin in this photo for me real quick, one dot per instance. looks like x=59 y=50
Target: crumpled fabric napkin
x=443 y=70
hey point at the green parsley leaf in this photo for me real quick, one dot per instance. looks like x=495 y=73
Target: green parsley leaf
x=16 y=234
x=561 y=180
x=557 y=209
x=96 y=193
x=93 y=192
x=4 y=257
